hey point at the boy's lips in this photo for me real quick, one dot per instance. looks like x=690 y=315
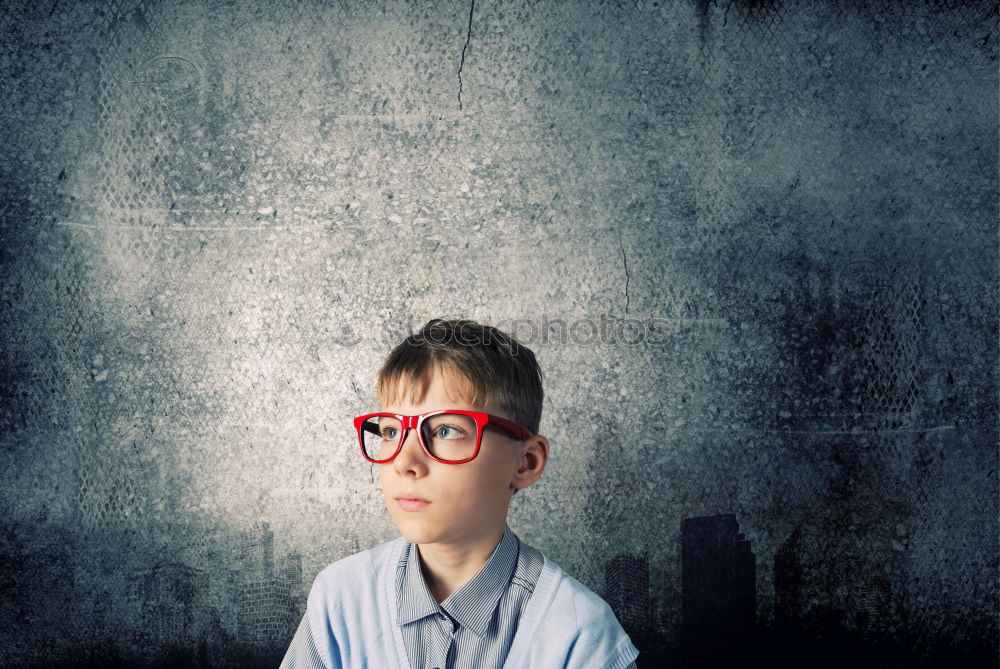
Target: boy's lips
x=411 y=498
x=411 y=504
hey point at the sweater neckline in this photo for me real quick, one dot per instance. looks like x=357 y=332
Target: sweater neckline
x=531 y=618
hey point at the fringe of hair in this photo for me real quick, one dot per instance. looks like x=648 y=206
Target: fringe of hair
x=488 y=365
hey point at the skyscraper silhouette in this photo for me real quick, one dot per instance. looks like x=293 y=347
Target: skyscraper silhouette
x=268 y=608
x=788 y=581
x=257 y=552
x=626 y=586
x=718 y=590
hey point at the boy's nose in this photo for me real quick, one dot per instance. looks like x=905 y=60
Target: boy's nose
x=410 y=450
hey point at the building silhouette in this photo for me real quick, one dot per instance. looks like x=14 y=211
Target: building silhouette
x=170 y=603
x=718 y=591
x=873 y=614
x=267 y=602
x=626 y=590
x=788 y=581
x=257 y=552
x=291 y=572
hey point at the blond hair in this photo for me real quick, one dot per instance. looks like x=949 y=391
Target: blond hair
x=493 y=365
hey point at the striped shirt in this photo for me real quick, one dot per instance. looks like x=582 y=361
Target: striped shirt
x=475 y=625
x=473 y=628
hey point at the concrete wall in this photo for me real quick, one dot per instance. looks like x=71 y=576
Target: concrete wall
x=753 y=245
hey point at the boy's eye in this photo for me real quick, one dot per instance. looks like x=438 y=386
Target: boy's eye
x=389 y=433
x=450 y=427
x=448 y=432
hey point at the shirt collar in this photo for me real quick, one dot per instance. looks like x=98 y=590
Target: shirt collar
x=473 y=604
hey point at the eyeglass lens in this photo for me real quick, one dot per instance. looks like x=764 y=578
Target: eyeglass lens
x=448 y=436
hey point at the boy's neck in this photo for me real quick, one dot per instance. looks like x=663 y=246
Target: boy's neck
x=447 y=567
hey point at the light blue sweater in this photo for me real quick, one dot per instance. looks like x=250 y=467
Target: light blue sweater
x=352 y=614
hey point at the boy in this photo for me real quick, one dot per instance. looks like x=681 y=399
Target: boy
x=455 y=439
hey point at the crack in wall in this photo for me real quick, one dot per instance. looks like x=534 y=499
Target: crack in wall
x=628 y=277
x=461 y=64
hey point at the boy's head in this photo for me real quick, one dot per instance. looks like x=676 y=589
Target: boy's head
x=462 y=365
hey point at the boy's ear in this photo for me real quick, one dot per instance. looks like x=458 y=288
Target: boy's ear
x=532 y=463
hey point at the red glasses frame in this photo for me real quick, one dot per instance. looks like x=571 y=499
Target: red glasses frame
x=508 y=427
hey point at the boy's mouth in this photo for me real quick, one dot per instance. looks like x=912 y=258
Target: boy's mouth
x=411 y=503
x=411 y=498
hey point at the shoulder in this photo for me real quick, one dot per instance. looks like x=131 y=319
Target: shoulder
x=588 y=606
x=579 y=628
x=346 y=608
x=568 y=594
x=596 y=630
x=358 y=570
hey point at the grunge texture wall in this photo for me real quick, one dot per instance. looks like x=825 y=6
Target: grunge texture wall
x=754 y=245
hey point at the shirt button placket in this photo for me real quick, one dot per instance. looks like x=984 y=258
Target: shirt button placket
x=443 y=643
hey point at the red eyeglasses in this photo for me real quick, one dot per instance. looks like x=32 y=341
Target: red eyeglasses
x=450 y=436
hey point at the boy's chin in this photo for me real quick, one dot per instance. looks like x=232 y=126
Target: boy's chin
x=418 y=529
x=421 y=530
x=417 y=532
